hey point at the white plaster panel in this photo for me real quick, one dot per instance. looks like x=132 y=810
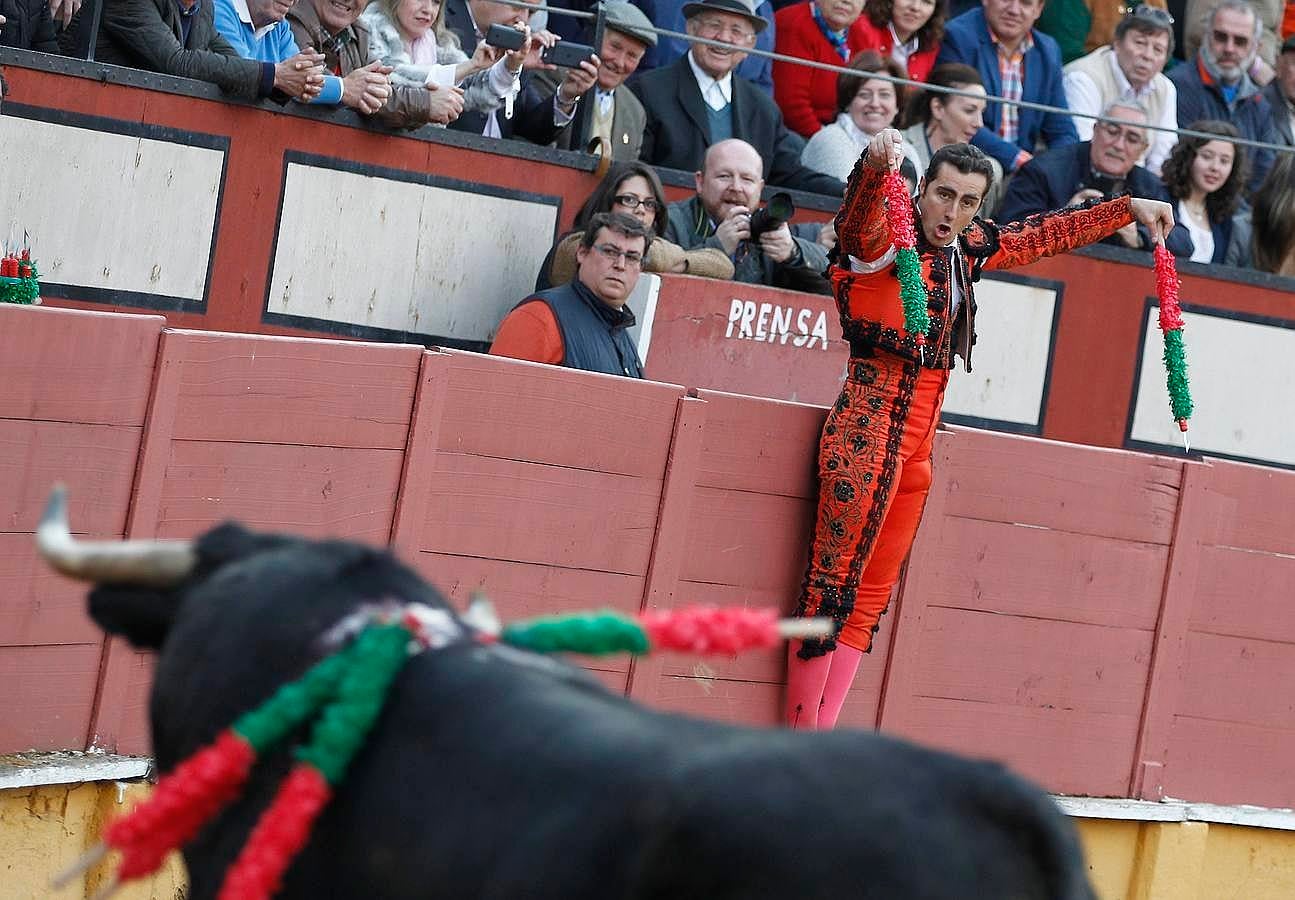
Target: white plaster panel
x=1010 y=359
x=109 y=210
x=1242 y=384
x=382 y=253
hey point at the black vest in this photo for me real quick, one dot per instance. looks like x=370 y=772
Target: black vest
x=593 y=334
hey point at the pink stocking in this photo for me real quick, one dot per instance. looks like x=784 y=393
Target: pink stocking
x=845 y=662
x=805 y=681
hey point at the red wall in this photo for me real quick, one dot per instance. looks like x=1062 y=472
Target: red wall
x=1110 y=623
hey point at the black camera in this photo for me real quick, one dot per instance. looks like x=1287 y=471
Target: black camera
x=505 y=37
x=567 y=55
x=774 y=214
x=1106 y=185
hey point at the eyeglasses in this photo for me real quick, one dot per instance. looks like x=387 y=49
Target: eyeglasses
x=718 y=29
x=1116 y=133
x=629 y=201
x=633 y=259
x=1152 y=14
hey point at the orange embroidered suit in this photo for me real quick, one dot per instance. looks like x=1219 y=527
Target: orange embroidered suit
x=875 y=454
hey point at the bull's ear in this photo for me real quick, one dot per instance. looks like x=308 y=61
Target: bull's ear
x=141 y=615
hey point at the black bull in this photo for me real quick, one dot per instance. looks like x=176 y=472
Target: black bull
x=494 y=773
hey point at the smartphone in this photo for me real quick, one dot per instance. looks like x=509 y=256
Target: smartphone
x=505 y=37
x=566 y=54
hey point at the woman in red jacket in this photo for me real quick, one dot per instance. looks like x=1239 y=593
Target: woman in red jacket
x=908 y=31
x=828 y=31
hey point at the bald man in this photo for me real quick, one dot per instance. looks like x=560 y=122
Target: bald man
x=719 y=216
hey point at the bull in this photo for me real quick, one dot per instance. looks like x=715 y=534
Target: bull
x=495 y=773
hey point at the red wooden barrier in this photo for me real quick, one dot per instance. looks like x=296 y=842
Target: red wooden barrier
x=1109 y=623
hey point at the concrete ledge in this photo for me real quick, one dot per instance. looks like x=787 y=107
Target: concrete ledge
x=24 y=770
x=1176 y=811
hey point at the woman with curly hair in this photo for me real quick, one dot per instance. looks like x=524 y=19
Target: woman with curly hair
x=634 y=189
x=1205 y=178
x=1274 y=219
x=907 y=31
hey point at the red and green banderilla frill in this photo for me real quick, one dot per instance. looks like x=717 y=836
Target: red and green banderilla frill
x=1171 y=325
x=908 y=266
x=344 y=694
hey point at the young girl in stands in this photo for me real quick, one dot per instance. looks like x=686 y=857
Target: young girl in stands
x=1205 y=177
x=411 y=36
x=826 y=31
x=907 y=31
x=632 y=188
x=864 y=106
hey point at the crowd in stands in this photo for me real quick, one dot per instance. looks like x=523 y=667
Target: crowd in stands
x=741 y=122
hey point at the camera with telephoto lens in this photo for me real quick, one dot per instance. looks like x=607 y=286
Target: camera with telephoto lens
x=773 y=215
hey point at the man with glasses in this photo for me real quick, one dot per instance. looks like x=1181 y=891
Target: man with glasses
x=669 y=15
x=582 y=324
x=699 y=101
x=1129 y=69
x=1093 y=171
x=1215 y=85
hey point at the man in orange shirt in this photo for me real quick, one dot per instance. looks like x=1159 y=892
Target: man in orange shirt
x=582 y=324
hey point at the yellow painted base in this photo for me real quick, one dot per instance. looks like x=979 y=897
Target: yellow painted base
x=43 y=830
x=1188 y=860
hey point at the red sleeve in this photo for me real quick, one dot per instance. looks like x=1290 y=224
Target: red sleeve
x=1021 y=243
x=793 y=84
x=861 y=227
x=530 y=332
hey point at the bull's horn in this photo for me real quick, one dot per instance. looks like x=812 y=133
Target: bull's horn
x=160 y=564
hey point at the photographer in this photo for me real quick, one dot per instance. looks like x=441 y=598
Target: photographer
x=721 y=215
x=1100 y=169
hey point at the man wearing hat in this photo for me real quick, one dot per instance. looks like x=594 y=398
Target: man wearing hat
x=1280 y=93
x=698 y=101
x=617 y=115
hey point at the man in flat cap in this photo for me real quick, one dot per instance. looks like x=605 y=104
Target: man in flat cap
x=698 y=101
x=617 y=116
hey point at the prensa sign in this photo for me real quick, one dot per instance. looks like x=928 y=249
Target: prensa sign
x=774 y=324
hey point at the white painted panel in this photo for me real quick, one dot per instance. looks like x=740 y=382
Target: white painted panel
x=108 y=210
x=642 y=302
x=382 y=253
x=1242 y=383
x=1010 y=359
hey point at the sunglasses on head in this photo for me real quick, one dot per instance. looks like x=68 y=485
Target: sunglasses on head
x=1151 y=14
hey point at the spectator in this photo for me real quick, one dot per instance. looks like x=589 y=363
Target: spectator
x=582 y=324
x=1067 y=22
x=698 y=101
x=633 y=189
x=826 y=31
x=1100 y=169
x=28 y=25
x=1280 y=94
x=938 y=119
x=908 y=31
x=1129 y=69
x=618 y=116
x=1205 y=178
x=259 y=30
x=179 y=38
x=1016 y=62
x=670 y=15
x=864 y=106
x=1215 y=85
x=1268 y=14
x=535 y=117
x=1273 y=218
x=719 y=216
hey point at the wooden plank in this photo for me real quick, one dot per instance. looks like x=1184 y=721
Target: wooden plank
x=420 y=452
x=568 y=418
x=1231 y=763
x=738 y=702
x=764 y=446
x=1242 y=680
x=48 y=692
x=1006 y=660
x=38 y=606
x=1068 y=752
x=505 y=509
x=746 y=539
x=96 y=462
x=1086 y=490
x=72 y=366
x=999 y=567
x=1245 y=594
x=1259 y=510
x=313 y=491
x=132 y=731
x=282 y=390
x=1197 y=507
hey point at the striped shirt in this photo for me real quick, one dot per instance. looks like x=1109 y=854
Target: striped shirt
x=1011 y=72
